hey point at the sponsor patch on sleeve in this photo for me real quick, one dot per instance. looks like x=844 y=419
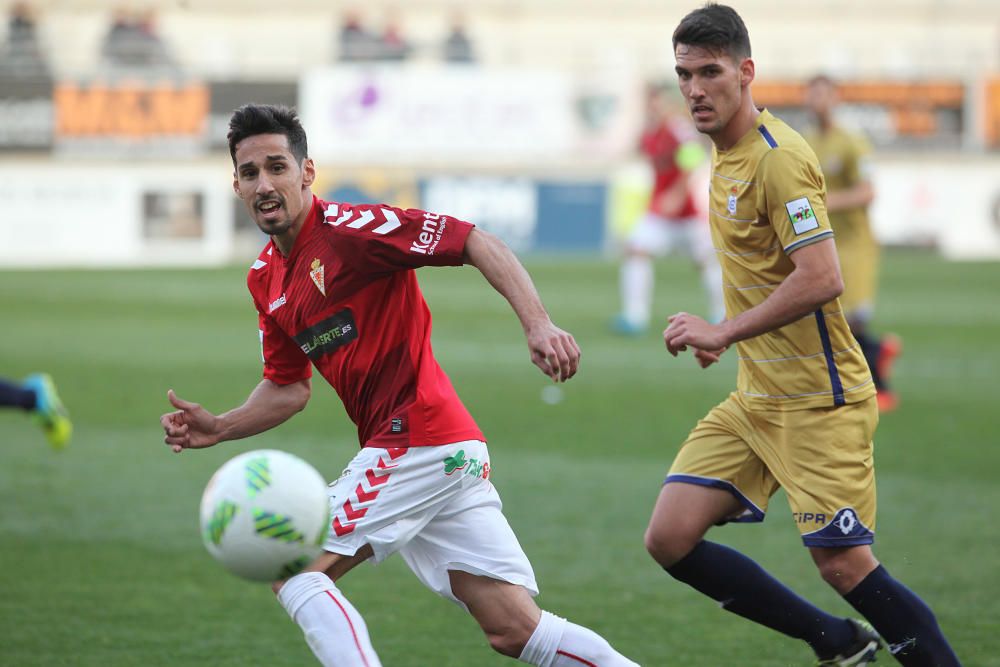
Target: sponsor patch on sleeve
x=802 y=216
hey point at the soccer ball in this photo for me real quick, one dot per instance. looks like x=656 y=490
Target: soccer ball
x=264 y=515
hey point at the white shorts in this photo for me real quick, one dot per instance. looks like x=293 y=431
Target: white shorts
x=435 y=506
x=656 y=235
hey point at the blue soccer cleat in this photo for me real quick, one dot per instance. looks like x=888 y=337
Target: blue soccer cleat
x=623 y=326
x=49 y=411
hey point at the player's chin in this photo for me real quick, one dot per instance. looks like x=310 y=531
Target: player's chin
x=273 y=226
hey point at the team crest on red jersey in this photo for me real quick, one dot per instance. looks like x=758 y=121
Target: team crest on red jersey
x=317 y=274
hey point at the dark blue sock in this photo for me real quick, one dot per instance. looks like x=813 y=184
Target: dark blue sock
x=743 y=587
x=871 y=347
x=903 y=620
x=17 y=396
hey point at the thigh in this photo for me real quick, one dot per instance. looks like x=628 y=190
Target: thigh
x=650 y=236
x=717 y=455
x=387 y=496
x=470 y=535
x=823 y=459
x=695 y=237
x=682 y=515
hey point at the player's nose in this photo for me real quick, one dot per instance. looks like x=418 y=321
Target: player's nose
x=695 y=89
x=264 y=185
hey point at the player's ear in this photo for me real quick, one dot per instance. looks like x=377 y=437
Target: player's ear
x=308 y=172
x=747 y=72
x=236 y=185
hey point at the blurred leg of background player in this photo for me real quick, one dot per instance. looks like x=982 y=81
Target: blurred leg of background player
x=880 y=353
x=37 y=394
x=654 y=237
x=859 y=261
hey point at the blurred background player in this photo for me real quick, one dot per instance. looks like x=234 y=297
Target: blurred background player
x=844 y=158
x=37 y=395
x=672 y=222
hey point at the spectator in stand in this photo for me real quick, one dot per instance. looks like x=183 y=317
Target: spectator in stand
x=132 y=41
x=22 y=56
x=457 y=47
x=394 y=46
x=356 y=44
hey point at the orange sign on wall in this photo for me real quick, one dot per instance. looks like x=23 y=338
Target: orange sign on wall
x=130 y=110
x=991 y=114
x=912 y=106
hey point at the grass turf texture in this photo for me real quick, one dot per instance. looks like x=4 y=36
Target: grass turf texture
x=101 y=562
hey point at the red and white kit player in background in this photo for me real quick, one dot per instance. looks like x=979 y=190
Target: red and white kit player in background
x=335 y=288
x=672 y=221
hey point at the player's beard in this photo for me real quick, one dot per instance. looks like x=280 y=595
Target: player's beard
x=273 y=226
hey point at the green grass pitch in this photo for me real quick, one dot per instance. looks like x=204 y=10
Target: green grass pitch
x=101 y=562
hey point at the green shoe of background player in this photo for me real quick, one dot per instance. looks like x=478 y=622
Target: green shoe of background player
x=49 y=411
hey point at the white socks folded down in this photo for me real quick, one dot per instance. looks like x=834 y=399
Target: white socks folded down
x=334 y=629
x=558 y=643
x=338 y=636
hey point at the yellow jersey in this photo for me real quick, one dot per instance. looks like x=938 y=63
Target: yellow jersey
x=844 y=158
x=767 y=200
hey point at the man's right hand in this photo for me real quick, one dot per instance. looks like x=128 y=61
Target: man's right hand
x=190 y=426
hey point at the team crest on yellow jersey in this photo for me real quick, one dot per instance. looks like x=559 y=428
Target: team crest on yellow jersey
x=317 y=274
x=731 y=203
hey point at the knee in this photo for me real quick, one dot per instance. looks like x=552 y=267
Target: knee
x=845 y=570
x=667 y=547
x=508 y=640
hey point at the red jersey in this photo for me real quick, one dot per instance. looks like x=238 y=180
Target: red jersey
x=660 y=145
x=346 y=300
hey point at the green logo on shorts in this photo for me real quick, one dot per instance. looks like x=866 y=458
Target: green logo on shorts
x=473 y=467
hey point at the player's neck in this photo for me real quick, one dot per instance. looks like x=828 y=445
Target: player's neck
x=744 y=120
x=285 y=241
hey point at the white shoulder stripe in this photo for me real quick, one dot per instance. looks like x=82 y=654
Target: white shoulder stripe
x=391 y=222
x=258 y=264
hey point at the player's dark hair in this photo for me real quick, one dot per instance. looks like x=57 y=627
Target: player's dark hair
x=253 y=119
x=716 y=28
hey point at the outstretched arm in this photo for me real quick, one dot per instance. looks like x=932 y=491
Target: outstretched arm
x=814 y=281
x=553 y=350
x=191 y=426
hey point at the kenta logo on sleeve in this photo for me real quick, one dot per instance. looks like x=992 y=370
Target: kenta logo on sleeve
x=332 y=333
x=430 y=234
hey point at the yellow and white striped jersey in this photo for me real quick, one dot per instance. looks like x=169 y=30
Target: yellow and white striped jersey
x=767 y=199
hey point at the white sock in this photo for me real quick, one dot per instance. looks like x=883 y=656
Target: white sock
x=711 y=280
x=558 y=643
x=334 y=629
x=637 y=289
